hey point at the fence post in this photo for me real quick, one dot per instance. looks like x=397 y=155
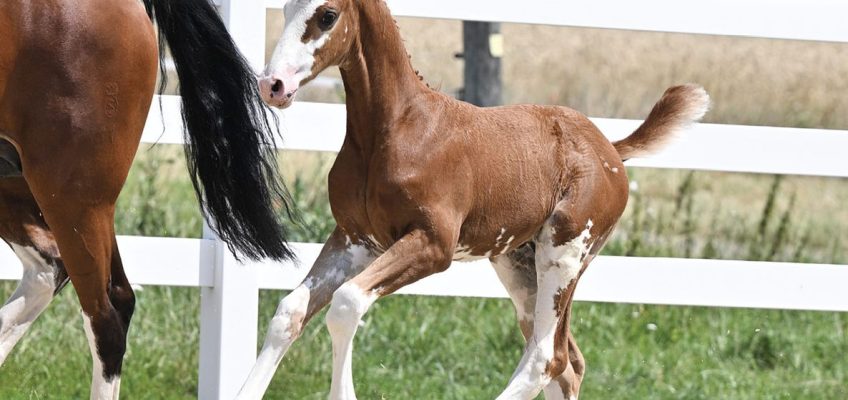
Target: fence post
x=245 y=20
x=482 y=51
x=228 y=324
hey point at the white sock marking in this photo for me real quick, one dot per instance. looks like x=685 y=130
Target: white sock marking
x=101 y=388
x=349 y=305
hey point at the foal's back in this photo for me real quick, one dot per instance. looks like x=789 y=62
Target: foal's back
x=507 y=167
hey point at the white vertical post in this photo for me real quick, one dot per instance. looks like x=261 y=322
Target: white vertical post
x=229 y=309
x=228 y=324
x=246 y=21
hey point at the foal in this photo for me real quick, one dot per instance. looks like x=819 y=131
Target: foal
x=422 y=180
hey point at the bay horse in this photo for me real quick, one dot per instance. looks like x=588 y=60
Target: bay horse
x=422 y=180
x=76 y=82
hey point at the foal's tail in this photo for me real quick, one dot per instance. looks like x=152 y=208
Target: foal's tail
x=679 y=107
x=229 y=139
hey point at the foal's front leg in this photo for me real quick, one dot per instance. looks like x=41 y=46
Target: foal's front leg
x=415 y=256
x=339 y=261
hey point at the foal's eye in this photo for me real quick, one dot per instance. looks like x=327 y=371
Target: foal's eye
x=328 y=20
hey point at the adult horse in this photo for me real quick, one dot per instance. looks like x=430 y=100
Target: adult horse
x=76 y=82
x=423 y=179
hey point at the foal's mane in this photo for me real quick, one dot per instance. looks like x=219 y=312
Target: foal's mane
x=388 y=14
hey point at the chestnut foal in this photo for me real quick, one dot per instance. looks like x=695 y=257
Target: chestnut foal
x=422 y=180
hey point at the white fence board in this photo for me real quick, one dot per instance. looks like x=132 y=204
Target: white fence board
x=642 y=280
x=711 y=147
x=822 y=20
x=147 y=261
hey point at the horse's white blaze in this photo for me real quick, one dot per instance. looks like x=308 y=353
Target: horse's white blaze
x=101 y=387
x=32 y=296
x=292 y=59
x=349 y=304
x=556 y=267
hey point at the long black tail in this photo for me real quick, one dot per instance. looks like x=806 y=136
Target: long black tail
x=229 y=139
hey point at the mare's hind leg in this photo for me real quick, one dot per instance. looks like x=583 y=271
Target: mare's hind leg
x=86 y=240
x=22 y=227
x=517 y=272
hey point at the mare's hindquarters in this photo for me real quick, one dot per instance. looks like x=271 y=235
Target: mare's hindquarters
x=75 y=106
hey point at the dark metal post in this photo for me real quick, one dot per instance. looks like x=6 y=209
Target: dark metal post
x=483 y=46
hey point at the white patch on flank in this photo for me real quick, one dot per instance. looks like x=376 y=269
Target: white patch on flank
x=463 y=253
x=556 y=268
x=101 y=388
x=31 y=297
x=349 y=304
x=292 y=59
x=500 y=236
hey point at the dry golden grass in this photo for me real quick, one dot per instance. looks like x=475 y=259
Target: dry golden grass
x=613 y=73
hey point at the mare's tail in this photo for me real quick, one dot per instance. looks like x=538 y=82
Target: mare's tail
x=229 y=139
x=679 y=107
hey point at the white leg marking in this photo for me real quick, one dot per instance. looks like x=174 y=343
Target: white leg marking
x=520 y=285
x=349 y=305
x=101 y=387
x=556 y=267
x=34 y=293
x=282 y=331
x=553 y=392
x=287 y=323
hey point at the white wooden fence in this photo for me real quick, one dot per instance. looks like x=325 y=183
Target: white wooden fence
x=229 y=290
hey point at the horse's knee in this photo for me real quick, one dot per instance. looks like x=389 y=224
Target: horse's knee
x=287 y=323
x=348 y=306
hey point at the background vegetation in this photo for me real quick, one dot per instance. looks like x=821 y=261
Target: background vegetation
x=448 y=348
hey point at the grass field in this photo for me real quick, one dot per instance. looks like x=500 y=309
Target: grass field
x=438 y=348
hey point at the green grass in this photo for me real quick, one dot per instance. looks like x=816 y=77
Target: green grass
x=464 y=349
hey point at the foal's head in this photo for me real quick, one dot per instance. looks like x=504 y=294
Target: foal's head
x=317 y=34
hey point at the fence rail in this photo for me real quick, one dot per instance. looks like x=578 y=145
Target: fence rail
x=229 y=290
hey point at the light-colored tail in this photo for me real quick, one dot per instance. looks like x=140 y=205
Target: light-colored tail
x=679 y=107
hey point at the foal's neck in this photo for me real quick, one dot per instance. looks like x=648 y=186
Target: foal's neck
x=378 y=77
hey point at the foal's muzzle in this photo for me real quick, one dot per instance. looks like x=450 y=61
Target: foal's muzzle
x=274 y=92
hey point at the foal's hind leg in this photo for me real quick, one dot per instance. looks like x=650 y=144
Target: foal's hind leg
x=517 y=272
x=560 y=255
